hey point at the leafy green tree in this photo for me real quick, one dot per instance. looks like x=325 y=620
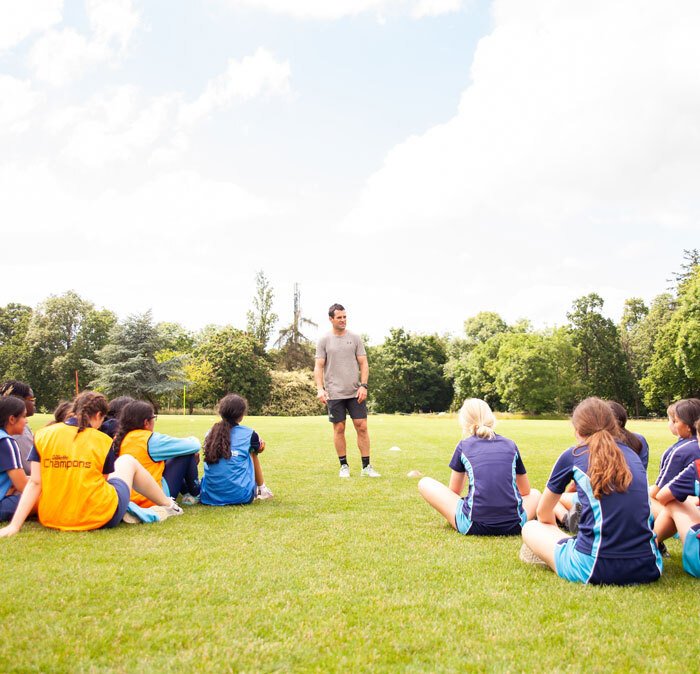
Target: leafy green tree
x=691 y=261
x=261 y=318
x=128 y=364
x=536 y=372
x=63 y=333
x=201 y=383
x=14 y=323
x=408 y=373
x=480 y=328
x=474 y=374
x=674 y=371
x=176 y=338
x=292 y=394
x=237 y=366
x=603 y=366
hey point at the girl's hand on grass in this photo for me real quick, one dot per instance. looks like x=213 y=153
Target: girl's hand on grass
x=8 y=531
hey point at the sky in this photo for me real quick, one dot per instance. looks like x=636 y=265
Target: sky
x=417 y=161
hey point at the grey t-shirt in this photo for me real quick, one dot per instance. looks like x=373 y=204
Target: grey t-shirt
x=341 y=373
x=25 y=443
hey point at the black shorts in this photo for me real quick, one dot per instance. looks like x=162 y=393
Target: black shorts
x=338 y=408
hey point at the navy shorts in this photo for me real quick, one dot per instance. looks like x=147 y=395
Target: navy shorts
x=8 y=505
x=124 y=496
x=469 y=527
x=338 y=408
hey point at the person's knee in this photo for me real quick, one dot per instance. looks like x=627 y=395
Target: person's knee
x=339 y=428
x=360 y=425
x=126 y=461
x=529 y=529
x=536 y=493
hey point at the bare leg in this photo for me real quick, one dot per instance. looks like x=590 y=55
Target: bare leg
x=442 y=498
x=530 y=503
x=542 y=539
x=685 y=515
x=128 y=469
x=664 y=526
x=259 y=479
x=362 y=436
x=339 y=438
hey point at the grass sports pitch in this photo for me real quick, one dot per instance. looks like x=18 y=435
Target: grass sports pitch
x=333 y=575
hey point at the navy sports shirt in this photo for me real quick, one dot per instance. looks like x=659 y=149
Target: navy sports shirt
x=687 y=482
x=491 y=466
x=676 y=458
x=617 y=525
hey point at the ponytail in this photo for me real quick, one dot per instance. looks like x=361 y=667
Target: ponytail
x=476 y=418
x=132 y=417
x=628 y=438
x=217 y=444
x=607 y=468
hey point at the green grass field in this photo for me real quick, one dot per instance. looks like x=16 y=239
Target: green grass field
x=331 y=575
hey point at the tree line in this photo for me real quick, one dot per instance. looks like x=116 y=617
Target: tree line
x=648 y=359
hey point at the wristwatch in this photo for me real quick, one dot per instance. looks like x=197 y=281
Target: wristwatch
x=364 y=386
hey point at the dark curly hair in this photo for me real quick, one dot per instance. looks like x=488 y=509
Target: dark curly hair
x=131 y=418
x=12 y=387
x=217 y=444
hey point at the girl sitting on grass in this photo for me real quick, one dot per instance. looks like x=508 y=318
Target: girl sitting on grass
x=683 y=417
x=680 y=514
x=499 y=499
x=568 y=512
x=172 y=462
x=13 y=479
x=77 y=481
x=614 y=544
x=232 y=472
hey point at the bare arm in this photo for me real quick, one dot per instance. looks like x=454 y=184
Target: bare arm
x=29 y=499
x=523 y=484
x=364 y=377
x=457 y=482
x=664 y=496
x=545 y=509
x=318 y=378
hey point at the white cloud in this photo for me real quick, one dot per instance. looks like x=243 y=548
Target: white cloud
x=19 y=20
x=251 y=77
x=329 y=10
x=581 y=119
x=59 y=57
x=17 y=101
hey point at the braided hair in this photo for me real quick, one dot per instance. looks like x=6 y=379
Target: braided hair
x=217 y=444
x=19 y=389
x=86 y=405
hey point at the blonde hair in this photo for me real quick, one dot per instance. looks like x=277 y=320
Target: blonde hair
x=476 y=418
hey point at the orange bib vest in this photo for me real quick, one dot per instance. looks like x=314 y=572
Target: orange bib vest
x=136 y=444
x=75 y=495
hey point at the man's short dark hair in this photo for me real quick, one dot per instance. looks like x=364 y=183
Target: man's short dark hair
x=333 y=308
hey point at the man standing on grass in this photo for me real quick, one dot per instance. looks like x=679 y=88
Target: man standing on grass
x=341 y=375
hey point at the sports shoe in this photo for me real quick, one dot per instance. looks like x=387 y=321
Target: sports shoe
x=368 y=471
x=264 y=493
x=663 y=550
x=344 y=471
x=164 y=512
x=572 y=519
x=189 y=500
x=529 y=557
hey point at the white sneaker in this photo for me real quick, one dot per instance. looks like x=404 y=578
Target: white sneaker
x=344 y=471
x=529 y=557
x=264 y=493
x=164 y=512
x=369 y=471
x=189 y=500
